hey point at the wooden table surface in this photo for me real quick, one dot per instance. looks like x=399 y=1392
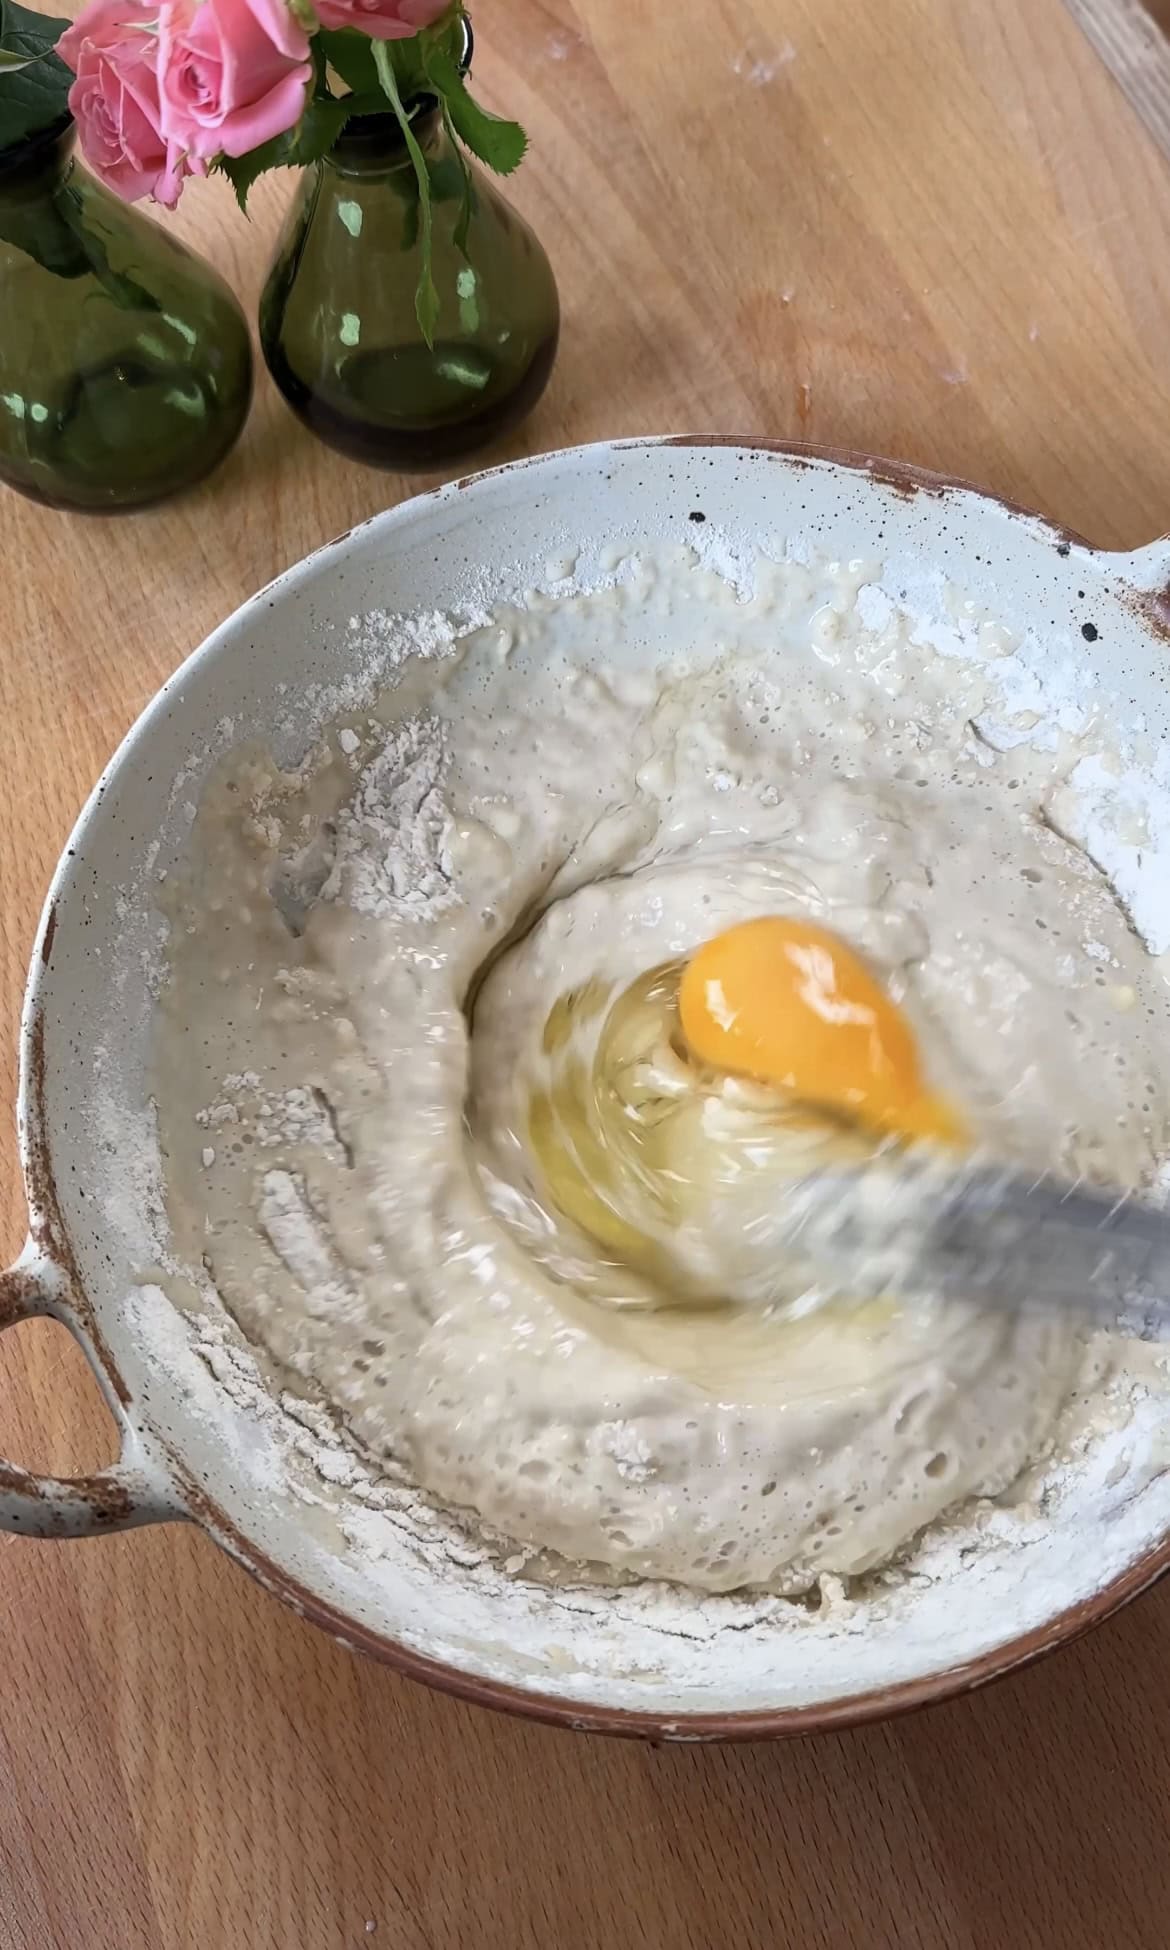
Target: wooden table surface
x=934 y=228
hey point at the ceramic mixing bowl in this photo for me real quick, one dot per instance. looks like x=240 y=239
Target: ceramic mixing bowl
x=193 y=1451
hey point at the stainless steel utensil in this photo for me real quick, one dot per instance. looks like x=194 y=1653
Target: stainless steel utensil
x=914 y=1221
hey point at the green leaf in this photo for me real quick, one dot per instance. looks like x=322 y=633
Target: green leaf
x=426 y=298
x=446 y=174
x=449 y=36
x=351 y=56
x=497 y=143
x=466 y=192
x=27 y=33
x=313 y=137
x=39 y=229
x=121 y=286
x=55 y=235
x=449 y=178
x=409 y=238
x=34 y=82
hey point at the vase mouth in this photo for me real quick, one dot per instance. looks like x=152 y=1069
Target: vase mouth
x=34 y=149
x=376 y=142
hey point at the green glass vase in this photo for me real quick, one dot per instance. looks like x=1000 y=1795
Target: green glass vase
x=337 y=316
x=125 y=362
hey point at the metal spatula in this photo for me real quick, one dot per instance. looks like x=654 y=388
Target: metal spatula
x=915 y=1221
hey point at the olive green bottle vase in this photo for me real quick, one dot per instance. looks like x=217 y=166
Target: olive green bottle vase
x=337 y=317
x=125 y=361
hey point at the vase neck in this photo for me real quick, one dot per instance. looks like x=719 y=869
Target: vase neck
x=374 y=145
x=37 y=165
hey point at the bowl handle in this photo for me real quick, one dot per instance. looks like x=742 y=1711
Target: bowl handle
x=1145 y=569
x=136 y=1489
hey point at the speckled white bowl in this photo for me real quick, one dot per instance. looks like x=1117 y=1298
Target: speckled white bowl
x=607 y=1665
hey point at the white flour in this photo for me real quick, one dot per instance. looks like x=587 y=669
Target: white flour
x=385 y=640
x=1122 y=820
x=275 y=1117
x=392 y=854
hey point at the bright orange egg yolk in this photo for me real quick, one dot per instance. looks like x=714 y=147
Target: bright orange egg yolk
x=790 y=1004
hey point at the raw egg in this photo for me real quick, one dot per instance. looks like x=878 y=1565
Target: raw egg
x=790 y=1004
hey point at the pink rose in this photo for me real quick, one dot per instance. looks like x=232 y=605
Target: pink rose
x=113 y=51
x=382 y=20
x=232 y=74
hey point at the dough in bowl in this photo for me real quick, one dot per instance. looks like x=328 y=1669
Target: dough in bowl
x=433 y=1135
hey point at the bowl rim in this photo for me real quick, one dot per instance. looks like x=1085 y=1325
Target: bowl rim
x=190 y=1500
x=756 y=1723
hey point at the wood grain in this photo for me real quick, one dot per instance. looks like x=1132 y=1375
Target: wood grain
x=930 y=227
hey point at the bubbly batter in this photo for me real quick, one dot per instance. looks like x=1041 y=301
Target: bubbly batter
x=436 y=1131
